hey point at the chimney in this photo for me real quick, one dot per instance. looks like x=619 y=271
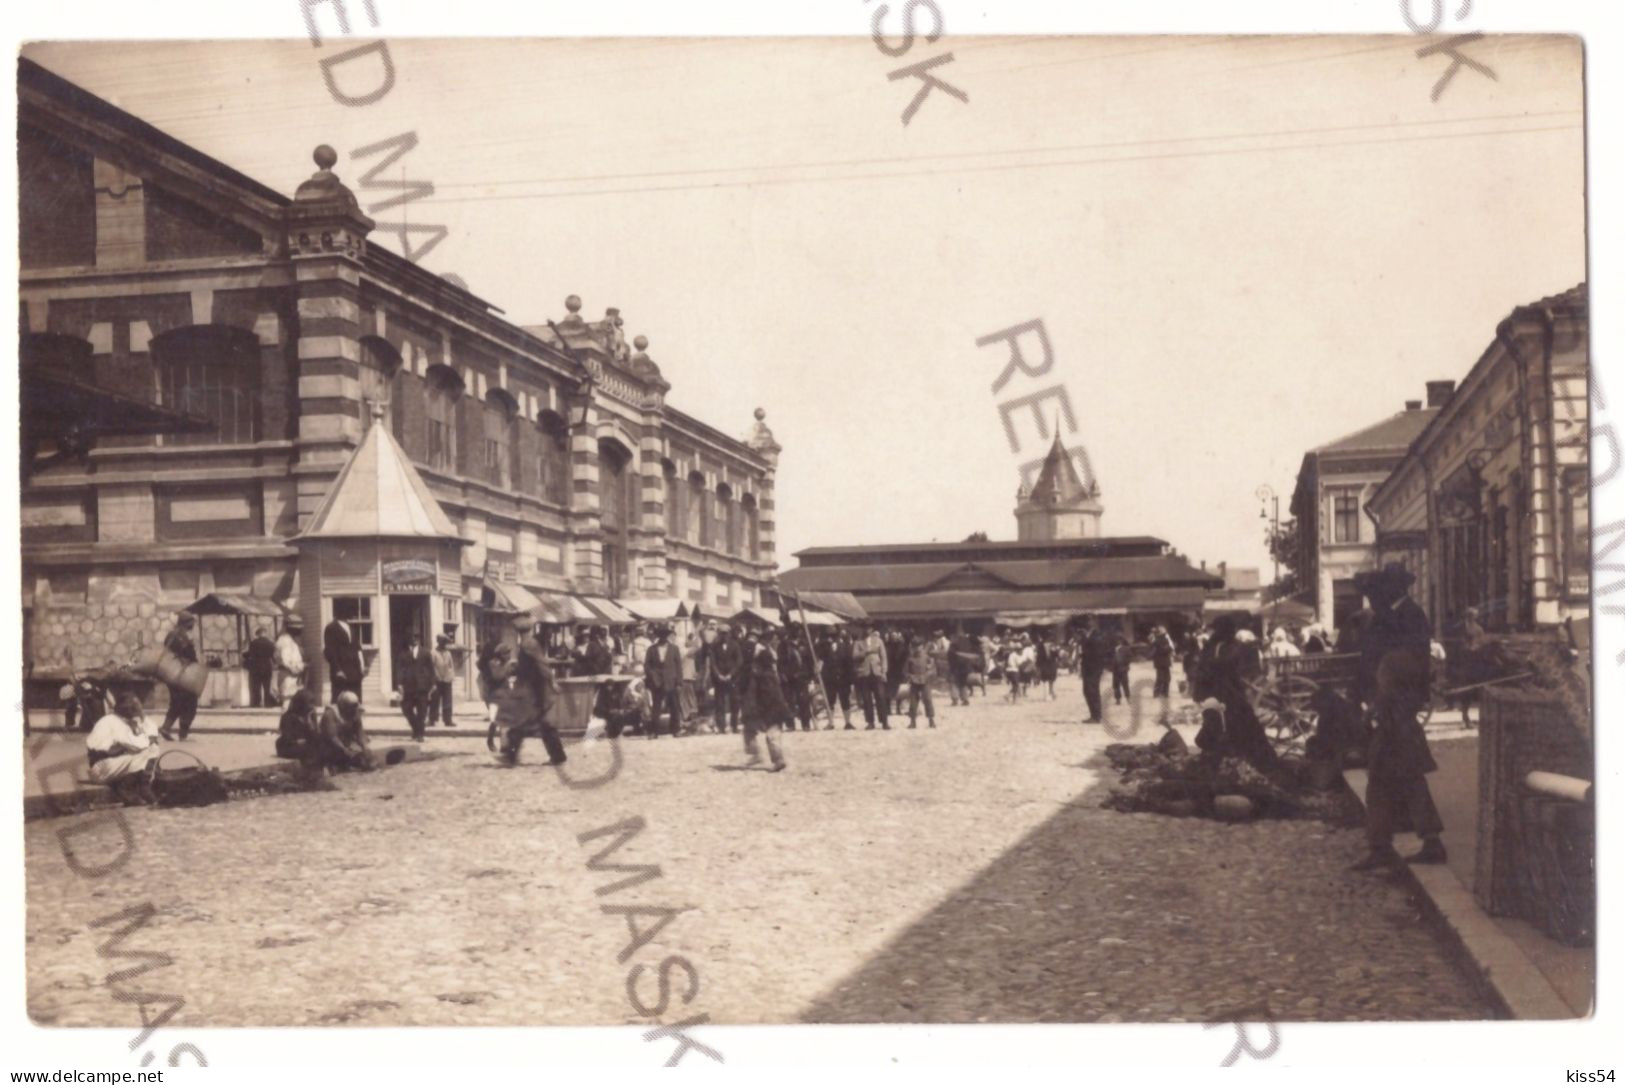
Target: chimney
x=1222 y=565
x=1439 y=392
x=1204 y=565
x=1413 y=404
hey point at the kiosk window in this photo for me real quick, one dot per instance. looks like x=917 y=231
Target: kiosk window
x=355 y=611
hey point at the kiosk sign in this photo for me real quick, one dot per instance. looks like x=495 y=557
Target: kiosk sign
x=408 y=576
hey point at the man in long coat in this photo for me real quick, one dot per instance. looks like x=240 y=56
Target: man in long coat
x=1394 y=666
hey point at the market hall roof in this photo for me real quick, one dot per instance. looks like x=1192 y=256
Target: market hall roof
x=1047 y=549
x=379 y=495
x=995 y=574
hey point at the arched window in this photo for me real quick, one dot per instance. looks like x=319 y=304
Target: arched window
x=673 y=495
x=501 y=435
x=699 y=511
x=753 y=527
x=727 y=520
x=555 y=470
x=445 y=388
x=211 y=372
x=381 y=383
x=616 y=476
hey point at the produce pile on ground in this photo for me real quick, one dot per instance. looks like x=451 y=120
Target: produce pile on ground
x=1168 y=777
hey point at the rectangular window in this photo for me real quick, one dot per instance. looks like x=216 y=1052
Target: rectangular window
x=356 y=612
x=1577 y=533
x=1346 y=516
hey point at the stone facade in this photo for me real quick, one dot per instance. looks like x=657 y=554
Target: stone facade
x=276 y=321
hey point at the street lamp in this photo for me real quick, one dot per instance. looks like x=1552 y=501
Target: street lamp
x=1266 y=495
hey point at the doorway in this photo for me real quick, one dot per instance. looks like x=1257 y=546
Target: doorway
x=408 y=614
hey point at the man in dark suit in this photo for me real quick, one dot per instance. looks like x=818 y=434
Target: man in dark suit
x=663 y=677
x=525 y=698
x=1094 y=656
x=343 y=659
x=727 y=680
x=259 y=661
x=414 y=678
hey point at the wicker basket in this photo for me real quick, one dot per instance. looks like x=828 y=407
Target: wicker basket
x=1535 y=857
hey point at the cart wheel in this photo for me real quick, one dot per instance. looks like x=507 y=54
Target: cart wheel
x=1283 y=706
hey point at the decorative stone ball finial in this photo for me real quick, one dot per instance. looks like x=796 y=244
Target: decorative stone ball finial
x=573 y=303
x=641 y=342
x=760 y=414
x=325 y=156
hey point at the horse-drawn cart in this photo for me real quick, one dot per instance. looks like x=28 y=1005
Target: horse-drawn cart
x=1284 y=695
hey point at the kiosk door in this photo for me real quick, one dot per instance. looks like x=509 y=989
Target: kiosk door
x=408 y=614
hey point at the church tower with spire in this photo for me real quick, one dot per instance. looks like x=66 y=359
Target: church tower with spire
x=1058 y=505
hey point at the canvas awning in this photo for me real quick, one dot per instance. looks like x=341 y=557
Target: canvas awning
x=760 y=614
x=556 y=609
x=655 y=610
x=510 y=598
x=608 y=610
x=842 y=603
x=217 y=602
x=819 y=617
x=1027 y=618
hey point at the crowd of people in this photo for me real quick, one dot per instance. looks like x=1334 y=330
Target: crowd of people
x=760 y=681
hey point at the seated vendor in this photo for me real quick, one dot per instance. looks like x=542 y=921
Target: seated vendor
x=298 y=730
x=341 y=739
x=120 y=748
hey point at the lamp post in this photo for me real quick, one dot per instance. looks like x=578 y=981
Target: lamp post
x=1266 y=495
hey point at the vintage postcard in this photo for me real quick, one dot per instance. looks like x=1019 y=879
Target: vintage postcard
x=904 y=528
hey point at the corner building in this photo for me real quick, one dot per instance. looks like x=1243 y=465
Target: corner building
x=154 y=271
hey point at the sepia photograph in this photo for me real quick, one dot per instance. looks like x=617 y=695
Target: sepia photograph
x=900 y=529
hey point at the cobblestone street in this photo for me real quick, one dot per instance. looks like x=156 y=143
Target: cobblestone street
x=958 y=875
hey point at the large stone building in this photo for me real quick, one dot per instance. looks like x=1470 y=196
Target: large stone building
x=1058 y=569
x=1489 y=507
x=158 y=274
x=1337 y=539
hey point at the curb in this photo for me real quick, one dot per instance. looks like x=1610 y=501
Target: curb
x=87 y=797
x=1501 y=970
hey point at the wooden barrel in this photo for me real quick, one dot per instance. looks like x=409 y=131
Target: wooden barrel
x=175 y=672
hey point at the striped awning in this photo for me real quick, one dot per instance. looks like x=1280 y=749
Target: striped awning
x=608 y=610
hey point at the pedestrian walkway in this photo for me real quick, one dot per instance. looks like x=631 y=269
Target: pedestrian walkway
x=1534 y=977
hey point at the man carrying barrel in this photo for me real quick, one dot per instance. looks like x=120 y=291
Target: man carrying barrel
x=182 y=701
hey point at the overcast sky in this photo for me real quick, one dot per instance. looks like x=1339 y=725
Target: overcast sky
x=1239 y=248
